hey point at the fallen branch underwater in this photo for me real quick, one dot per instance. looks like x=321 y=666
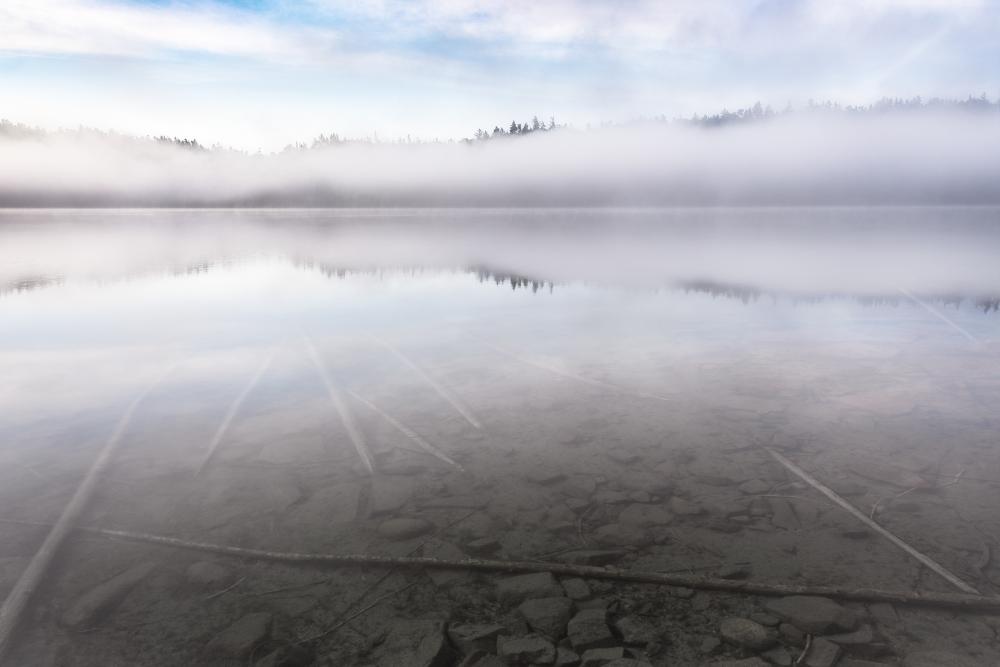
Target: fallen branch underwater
x=955 y=601
x=923 y=559
x=12 y=610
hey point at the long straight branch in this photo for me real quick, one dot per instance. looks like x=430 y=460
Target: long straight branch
x=957 y=601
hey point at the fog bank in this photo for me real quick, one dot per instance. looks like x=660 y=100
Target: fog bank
x=947 y=157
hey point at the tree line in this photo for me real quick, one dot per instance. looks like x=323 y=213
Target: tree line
x=752 y=114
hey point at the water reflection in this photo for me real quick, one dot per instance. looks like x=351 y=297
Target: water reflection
x=602 y=391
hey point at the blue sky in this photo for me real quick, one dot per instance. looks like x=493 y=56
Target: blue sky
x=263 y=73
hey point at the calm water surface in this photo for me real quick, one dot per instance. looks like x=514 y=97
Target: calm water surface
x=536 y=353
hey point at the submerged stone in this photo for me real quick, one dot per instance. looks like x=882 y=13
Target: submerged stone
x=515 y=590
x=745 y=633
x=527 y=650
x=101 y=599
x=416 y=643
x=547 y=616
x=404 y=529
x=242 y=637
x=814 y=615
x=589 y=629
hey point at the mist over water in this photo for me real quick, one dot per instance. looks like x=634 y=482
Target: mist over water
x=929 y=156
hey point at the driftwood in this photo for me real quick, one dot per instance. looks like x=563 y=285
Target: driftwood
x=406 y=430
x=955 y=601
x=220 y=432
x=346 y=416
x=941 y=316
x=34 y=574
x=858 y=514
x=432 y=383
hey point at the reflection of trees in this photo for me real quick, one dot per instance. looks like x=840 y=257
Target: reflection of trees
x=746 y=294
x=28 y=283
x=515 y=281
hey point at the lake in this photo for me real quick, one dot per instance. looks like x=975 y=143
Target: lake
x=595 y=387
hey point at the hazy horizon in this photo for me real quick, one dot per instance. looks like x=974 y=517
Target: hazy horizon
x=947 y=155
x=265 y=73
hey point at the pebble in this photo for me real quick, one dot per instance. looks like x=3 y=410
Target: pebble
x=681 y=592
x=389 y=495
x=653 y=484
x=515 y=590
x=577 y=505
x=730 y=525
x=242 y=637
x=734 y=571
x=610 y=497
x=547 y=616
x=404 y=529
x=782 y=514
x=207 y=575
x=576 y=588
x=598 y=657
x=645 y=515
x=566 y=657
x=884 y=614
x=710 y=645
x=814 y=615
x=792 y=634
x=745 y=662
x=746 y=634
x=415 y=643
x=484 y=546
x=618 y=535
x=701 y=602
x=481 y=659
x=101 y=599
x=287 y=656
x=778 y=656
x=625 y=458
x=589 y=629
x=470 y=637
x=682 y=507
x=602 y=603
x=527 y=650
x=545 y=477
x=822 y=653
x=635 y=630
x=754 y=487
x=769 y=620
x=579 y=486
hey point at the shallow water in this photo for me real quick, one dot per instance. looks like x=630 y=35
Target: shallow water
x=627 y=359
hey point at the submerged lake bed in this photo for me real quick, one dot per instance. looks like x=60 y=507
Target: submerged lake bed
x=617 y=389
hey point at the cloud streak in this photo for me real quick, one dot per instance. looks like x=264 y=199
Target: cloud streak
x=64 y=27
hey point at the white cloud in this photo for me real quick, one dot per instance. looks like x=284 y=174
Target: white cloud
x=554 y=28
x=439 y=68
x=113 y=29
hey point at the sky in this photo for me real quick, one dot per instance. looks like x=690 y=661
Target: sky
x=260 y=74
